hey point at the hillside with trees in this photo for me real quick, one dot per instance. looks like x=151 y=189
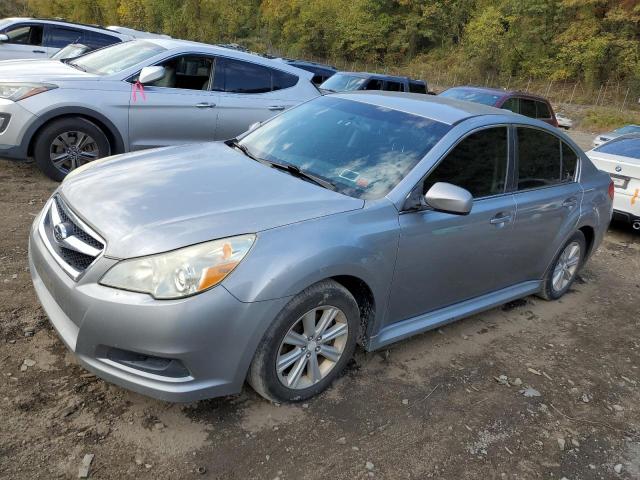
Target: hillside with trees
x=592 y=41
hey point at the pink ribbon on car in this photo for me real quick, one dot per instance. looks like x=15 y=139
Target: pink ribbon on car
x=135 y=88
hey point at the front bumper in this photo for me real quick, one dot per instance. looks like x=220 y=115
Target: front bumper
x=213 y=335
x=12 y=137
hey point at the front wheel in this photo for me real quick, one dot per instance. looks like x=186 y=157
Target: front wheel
x=309 y=344
x=66 y=144
x=565 y=268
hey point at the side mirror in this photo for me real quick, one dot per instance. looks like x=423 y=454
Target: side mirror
x=151 y=74
x=4 y=37
x=448 y=198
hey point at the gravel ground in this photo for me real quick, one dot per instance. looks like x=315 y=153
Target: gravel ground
x=533 y=389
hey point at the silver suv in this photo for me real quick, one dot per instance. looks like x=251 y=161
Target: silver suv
x=136 y=95
x=41 y=38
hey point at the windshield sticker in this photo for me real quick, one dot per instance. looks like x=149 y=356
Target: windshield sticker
x=349 y=175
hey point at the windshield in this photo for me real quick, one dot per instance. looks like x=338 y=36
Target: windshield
x=364 y=150
x=342 y=83
x=118 y=57
x=471 y=96
x=627 y=129
x=625 y=147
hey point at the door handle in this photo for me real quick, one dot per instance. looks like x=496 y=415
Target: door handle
x=38 y=51
x=501 y=219
x=276 y=107
x=570 y=202
x=205 y=105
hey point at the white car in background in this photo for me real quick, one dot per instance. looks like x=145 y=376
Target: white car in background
x=605 y=137
x=39 y=38
x=564 y=122
x=620 y=158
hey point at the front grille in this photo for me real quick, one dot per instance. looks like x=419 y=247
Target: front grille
x=73 y=244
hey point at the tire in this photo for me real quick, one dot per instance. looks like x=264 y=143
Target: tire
x=322 y=298
x=553 y=290
x=80 y=139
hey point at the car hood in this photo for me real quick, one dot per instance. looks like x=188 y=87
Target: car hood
x=39 y=71
x=163 y=199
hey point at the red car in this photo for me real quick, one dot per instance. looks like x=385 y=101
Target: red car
x=519 y=102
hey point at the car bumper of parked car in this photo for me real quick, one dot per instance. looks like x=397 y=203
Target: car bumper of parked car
x=175 y=350
x=14 y=122
x=626 y=206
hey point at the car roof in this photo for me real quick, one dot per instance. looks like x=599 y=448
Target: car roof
x=441 y=109
x=310 y=64
x=60 y=21
x=499 y=91
x=175 y=44
x=377 y=75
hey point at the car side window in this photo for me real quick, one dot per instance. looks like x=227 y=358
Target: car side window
x=511 y=104
x=25 y=34
x=190 y=72
x=393 y=86
x=282 y=80
x=542 y=110
x=539 y=159
x=98 y=40
x=58 y=37
x=236 y=76
x=569 y=163
x=478 y=163
x=374 y=84
x=528 y=107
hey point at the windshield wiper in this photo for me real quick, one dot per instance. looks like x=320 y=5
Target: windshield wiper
x=234 y=144
x=297 y=172
x=75 y=65
x=287 y=167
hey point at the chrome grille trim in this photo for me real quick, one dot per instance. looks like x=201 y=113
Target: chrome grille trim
x=79 y=249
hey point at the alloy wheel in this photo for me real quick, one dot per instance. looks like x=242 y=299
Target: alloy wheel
x=566 y=267
x=312 y=347
x=69 y=150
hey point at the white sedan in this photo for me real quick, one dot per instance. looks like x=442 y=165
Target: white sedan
x=620 y=158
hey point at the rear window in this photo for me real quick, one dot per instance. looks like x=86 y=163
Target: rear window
x=625 y=147
x=471 y=96
x=417 y=87
x=542 y=110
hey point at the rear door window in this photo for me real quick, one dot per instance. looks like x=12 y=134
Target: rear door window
x=542 y=110
x=511 y=104
x=478 y=163
x=98 y=40
x=23 y=34
x=373 y=84
x=282 y=80
x=528 y=107
x=235 y=76
x=58 y=37
x=539 y=159
x=393 y=86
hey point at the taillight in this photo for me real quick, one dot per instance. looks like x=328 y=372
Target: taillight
x=612 y=190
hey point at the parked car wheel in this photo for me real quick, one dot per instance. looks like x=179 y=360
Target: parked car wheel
x=565 y=267
x=308 y=346
x=68 y=143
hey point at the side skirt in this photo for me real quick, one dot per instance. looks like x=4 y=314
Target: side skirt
x=428 y=321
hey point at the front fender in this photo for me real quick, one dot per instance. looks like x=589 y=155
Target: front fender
x=286 y=260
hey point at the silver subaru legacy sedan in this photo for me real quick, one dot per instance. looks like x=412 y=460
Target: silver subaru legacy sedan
x=353 y=218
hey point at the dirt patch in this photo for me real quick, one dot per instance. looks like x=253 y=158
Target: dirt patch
x=448 y=404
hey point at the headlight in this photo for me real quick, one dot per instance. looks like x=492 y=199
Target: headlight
x=181 y=272
x=19 y=91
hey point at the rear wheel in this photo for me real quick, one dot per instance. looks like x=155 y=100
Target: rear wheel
x=68 y=143
x=565 y=267
x=310 y=343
